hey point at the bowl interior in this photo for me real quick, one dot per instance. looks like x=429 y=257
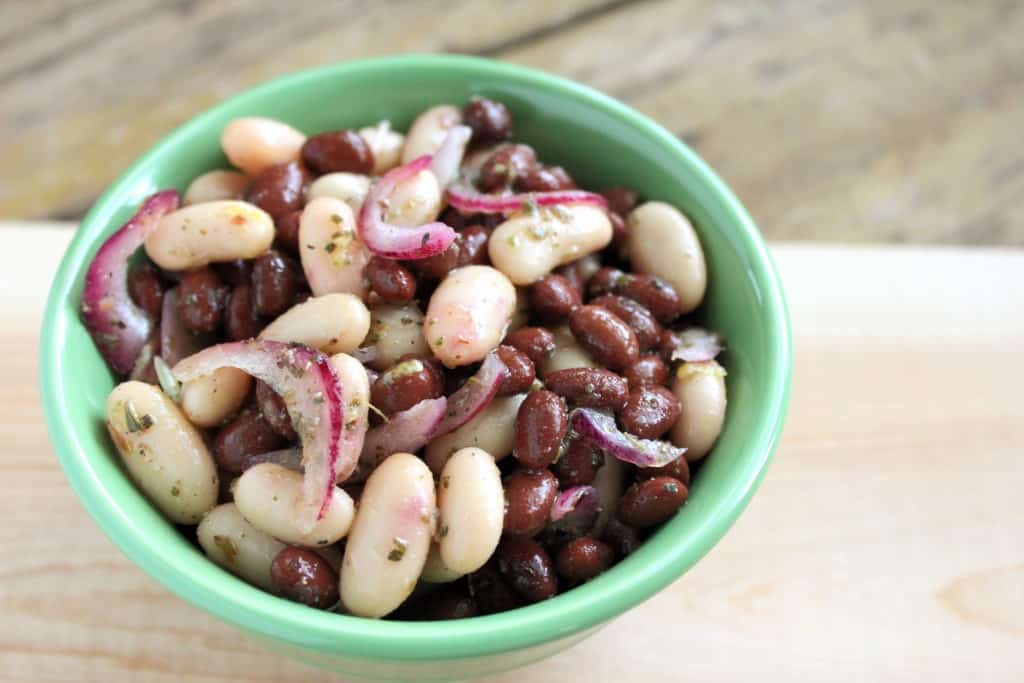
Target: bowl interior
x=602 y=143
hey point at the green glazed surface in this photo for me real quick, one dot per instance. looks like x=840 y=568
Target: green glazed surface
x=602 y=142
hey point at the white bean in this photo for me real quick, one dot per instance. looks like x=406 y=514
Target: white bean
x=530 y=244
x=610 y=482
x=386 y=551
x=209 y=400
x=234 y=544
x=434 y=570
x=356 y=385
x=333 y=323
x=332 y=256
x=700 y=388
x=428 y=131
x=568 y=353
x=415 y=201
x=254 y=144
x=270 y=497
x=492 y=430
x=386 y=145
x=394 y=332
x=662 y=242
x=471 y=507
x=162 y=451
x=211 y=232
x=215 y=185
x=468 y=314
x=350 y=188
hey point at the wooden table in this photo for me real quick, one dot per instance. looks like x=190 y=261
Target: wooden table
x=839 y=120
x=887 y=542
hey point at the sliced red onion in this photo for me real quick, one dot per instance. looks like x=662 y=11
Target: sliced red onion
x=473 y=396
x=313 y=396
x=697 y=345
x=406 y=432
x=573 y=514
x=393 y=241
x=600 y=429
x=468 y=200
x=119 y=328
x=176 y=342
x=449 y=156
x=582 y=498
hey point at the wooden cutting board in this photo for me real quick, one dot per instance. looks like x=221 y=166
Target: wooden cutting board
x=887 y=542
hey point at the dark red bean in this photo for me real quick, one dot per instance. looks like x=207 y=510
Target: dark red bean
x=543 y=178
x=677 y=469
x=275 y=280
x=521 y=371
x=235 y=272
x=279 y=189
x=146 y=289
x=338 y=150
x=574 y=274
x=652 y=501
x=240 y=319
x=407 y=383
x=579 y=463
x=454 y=378
x=650 y=411
x=536 y=342
x=529 y=495
x=541 y=424
x=584 y=558
x=202 y=298
x=589 y=387
x=639 y=319
x=649 y=369
x=621 y=200
x=390 y=280
x=272 y=407
x=490 y=120
x=655 y=294
x=444 y=604
x=455 y=218
x=468 y=249
x=606 y=280
x=618 y=229
x=505 y=165
x=247 y=435
x=623 y=539
x=490 y=591
x=669 y=342
x=287 y=227
x=303 y=576
x=527 y=566
x=605 y=335
x=553 y=298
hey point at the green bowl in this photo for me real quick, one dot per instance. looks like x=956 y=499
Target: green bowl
x=602 y=142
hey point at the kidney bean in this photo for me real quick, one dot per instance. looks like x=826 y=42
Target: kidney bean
x=520 y=368
x=650 y=411
x=536 y=342
x=579 y=463
x=677 y=469
x=456 y=219
x=246 y=435
x=649 y=369
x=652 y=501
x=390 y=280
x=584 y=558
x=490 y=591
x=655 y=294
x=544 y=178
x=234 y=272
x=146 y=289
x=573 y=273
x=541 y=424
x=505 y=165
x=621 y=200
x=279 y=189
x=275 y=280
x=639 y=319
x=402 y=386
x=529 y=495
x=446 y=603
x=669 y=342
x=623 y=539
x=240 y=319
x=303 y=576
x=338 y=150
x=287 y=231
x=589 y=387
x=490 y=120
x=272 y=408
x=605 y=335
x=201 y=300
x=527 y=566
x=618 y=229
x=553 y=298
x=468 y=249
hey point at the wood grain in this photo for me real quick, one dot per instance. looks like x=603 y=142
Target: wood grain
x=884 y=544
x=839 y=120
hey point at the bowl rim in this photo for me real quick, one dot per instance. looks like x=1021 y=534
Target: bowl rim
x=574 y=611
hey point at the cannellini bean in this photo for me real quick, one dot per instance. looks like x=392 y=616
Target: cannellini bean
x=333 y=323
x=386 y=551
x=700 y=388
x=475 y=159
x=215 y=185
x=162 y=451
x=568 y=354
x=234 y=544
x=210 y=232
x=428 y=131
x=492 y=430
x=356 y=385
x=252 y=144
x=270 y=497
x=610 y=482
x=468 y=314
x=471 y=510
x=434 y=570
x=415 y=201
x=394 y=332
x=332 y=256
x=662 y=242
x=350 y=188
x=209 y=400
x=589 y=264
x=386 y=145
x=530 y=244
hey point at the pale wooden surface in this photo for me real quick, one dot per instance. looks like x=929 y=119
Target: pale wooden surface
x=885 y=543
x=840 y=120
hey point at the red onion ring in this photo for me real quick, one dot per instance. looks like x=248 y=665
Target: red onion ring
x=473 y=396
x=449 y=156
x=406 y=432
x=697 y=345
x=468 y=200
x=600 y=429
